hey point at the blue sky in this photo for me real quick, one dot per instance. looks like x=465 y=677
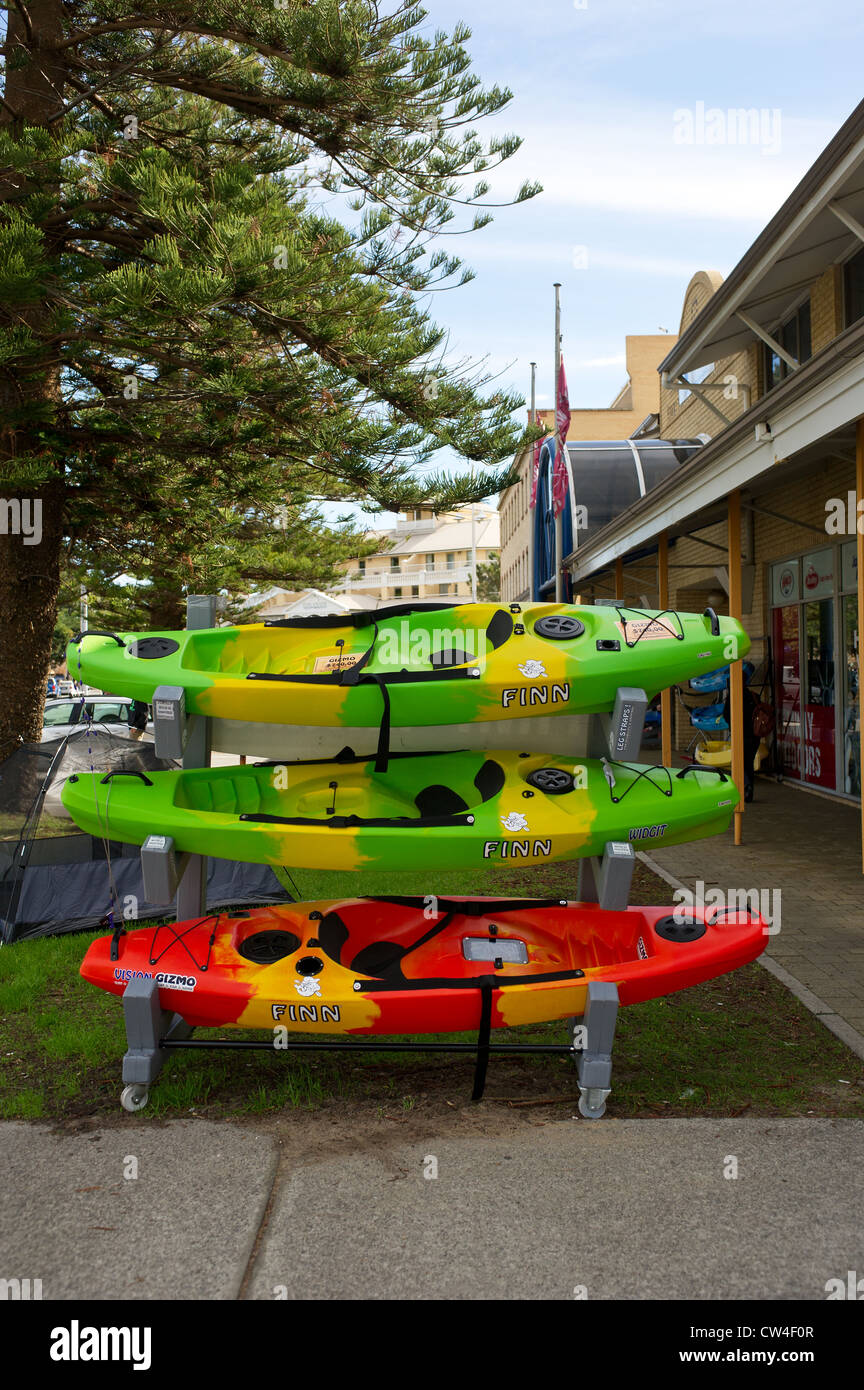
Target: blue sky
x=596 y=92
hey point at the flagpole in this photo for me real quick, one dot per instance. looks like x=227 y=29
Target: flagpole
x=559 y=444
x=531 y=415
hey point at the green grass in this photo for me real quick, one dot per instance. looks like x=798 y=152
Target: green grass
x=739 y=1044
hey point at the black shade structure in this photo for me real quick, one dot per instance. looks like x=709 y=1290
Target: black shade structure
x=605 y=478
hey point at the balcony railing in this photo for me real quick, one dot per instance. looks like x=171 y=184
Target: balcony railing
x=389 y=579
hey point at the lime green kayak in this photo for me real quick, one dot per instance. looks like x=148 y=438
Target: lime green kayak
x=430 y=666
x=435 y=811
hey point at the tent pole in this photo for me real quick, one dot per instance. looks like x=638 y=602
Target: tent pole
x=666 y=695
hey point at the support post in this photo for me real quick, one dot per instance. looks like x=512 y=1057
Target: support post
x=619 y=578
x=736 y=671
x=192 y=888
x=859 y=542
x=666 y=695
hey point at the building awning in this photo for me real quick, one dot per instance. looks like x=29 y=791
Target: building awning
x=821 y=221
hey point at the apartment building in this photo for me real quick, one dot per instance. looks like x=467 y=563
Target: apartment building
x=426 y=556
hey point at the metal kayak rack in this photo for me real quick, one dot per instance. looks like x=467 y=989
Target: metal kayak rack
x=152 y=1033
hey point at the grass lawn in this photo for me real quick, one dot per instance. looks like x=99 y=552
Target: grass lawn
x=740 y=1044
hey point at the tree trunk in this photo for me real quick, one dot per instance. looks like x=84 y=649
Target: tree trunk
x=29 y=586
x=31 y=523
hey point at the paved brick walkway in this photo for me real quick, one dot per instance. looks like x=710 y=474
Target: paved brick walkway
x=810 y=848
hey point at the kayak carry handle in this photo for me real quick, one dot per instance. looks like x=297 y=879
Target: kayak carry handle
x=715 y=621
x=702 y=768
x=121 y=772
x=96 y=632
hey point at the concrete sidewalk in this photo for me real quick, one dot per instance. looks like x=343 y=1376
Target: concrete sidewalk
x=808 y=847
x=632 y=1209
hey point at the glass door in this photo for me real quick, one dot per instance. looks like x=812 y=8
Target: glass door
x=851 y=757
x=819 y=712
x=787 y=694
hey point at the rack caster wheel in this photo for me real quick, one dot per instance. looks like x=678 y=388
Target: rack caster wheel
x=134 y=1098
x=592 y=1103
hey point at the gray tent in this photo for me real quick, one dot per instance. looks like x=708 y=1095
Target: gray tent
x=54 y=878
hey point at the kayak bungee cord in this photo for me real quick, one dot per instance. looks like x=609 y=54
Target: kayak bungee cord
x=178 y=940
x=609 y=763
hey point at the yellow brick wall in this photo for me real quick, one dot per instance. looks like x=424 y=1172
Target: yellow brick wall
x=826 y=308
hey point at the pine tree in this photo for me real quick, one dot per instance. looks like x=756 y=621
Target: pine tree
x=219 y=228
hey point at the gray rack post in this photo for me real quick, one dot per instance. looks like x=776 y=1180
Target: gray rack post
x=147 y=1024
x=606 y=880
x=617 y=737
x=187 y=738
x=594 y=1063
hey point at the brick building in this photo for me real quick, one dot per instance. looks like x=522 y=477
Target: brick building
x=762 y=521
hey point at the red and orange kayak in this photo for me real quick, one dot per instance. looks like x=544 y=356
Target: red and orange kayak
x=401 y=965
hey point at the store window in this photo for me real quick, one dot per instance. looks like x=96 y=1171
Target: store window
x=816 y=704
x=853 y=289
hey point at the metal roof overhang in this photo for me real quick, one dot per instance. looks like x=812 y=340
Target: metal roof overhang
x=790 y=253
x=819 y=401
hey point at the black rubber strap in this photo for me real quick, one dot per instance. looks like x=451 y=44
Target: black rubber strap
x=429 y=935
x=472 y=982
x=350 y=822
x=350 y=675
x=474 y=909
x=382 y=756
x=348 y=758
x=359 y=619
x=483 y=1036
x=96 y=632
x=468 y=671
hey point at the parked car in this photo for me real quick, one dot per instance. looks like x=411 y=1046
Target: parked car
x=63 y=715
x=52 y=686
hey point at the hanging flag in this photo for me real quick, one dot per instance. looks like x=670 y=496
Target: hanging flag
x=562 y=425
x=535 y=474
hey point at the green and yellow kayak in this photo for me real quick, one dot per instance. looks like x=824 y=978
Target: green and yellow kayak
x=435 y=811
x=430 y=666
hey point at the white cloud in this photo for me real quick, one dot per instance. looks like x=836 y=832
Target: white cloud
x=630 y=162
x=559 y=254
